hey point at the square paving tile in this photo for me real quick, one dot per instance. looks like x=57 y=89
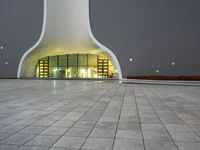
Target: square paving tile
x=33 y=148
x=104 y=133
x=171 y=120
x=186 y=136
x=8 y=121
x=56 y=148
x=69 y=142
x=64 y=124
x=17 y=139
x=106 y=125
x=128 y=144
x=160 y=145
x=32 y=130
x=11 y=129
x=78 y=132
x=156 y=135
x=44 y=123
x=98 y=143
x=9 y=147
x=128 y=126
x=3 y=136
x=129 y=134
x=177 y=127
x=54 y=131
x=188 y=145
x=85 y=125
x=42 y=141
x=195 y=127
x=150 y=120
x=152 y=127
x=129 y=118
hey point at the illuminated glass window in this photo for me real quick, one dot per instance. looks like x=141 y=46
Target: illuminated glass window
x=75 y=66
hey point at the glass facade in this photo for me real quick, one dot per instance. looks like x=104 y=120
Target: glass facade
x=75 y=66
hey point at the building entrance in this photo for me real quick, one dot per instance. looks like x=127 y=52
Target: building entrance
x=75 y=66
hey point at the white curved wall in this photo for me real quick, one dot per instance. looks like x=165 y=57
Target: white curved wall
x=66 y=30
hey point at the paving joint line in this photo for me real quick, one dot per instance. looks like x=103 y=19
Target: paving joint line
x=140 y=123
x=99 y=117
x=79 y=119
x=179 y=117
x=159 y=117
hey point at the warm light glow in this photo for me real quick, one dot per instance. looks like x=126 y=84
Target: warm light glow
x=97 y=66
x=1 y=47
x=173 y=63
x=37 y=72
x=55 y=70
x=83 y=73
x=68 y=73
x=89 y=73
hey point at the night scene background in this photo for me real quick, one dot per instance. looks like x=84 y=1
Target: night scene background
x=159 y=35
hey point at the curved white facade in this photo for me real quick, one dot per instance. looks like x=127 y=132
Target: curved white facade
x=66 y=30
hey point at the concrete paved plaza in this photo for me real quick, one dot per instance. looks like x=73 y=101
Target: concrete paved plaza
x=98 y=115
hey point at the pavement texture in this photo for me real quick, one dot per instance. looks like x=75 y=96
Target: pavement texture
x=98 y=115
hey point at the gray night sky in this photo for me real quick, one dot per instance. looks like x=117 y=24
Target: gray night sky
x=153 y=32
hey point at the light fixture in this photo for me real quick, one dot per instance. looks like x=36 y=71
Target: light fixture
x=130 y=59
x=83 y=72
x=55 y=70
x=6 y=62
x=89 y=73
x=157 y=70
x=173 y=63
x=1 y=47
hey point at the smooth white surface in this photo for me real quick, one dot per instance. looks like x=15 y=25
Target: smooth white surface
x=66 y=30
